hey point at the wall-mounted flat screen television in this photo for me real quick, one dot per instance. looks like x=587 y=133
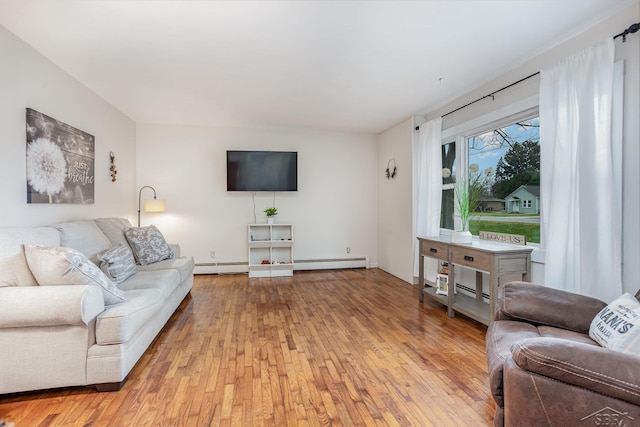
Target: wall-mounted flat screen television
x=262 y=171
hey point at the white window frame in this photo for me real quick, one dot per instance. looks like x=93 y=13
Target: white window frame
x=520 y=110
x=526 y=108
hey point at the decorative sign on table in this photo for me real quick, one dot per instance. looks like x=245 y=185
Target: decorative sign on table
x=514 y=239
x=60 y=161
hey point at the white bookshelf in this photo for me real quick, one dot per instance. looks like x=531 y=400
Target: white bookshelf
x=270 y=250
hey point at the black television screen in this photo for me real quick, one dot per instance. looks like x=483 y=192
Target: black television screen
x=262 y=171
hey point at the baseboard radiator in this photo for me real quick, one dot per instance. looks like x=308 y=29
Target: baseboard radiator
x=303 y=264
x=330 y=263
x=471 y=292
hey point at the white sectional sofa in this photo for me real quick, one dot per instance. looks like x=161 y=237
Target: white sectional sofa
x=58 y=335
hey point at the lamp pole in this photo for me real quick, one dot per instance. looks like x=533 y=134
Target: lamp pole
x=140 y=199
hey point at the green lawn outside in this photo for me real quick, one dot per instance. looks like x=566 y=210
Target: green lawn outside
x=515 y=215
x=531 y=231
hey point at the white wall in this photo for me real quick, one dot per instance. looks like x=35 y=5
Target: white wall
x=395 y=215
x=342 y=171
x=335 y=206
x=393 y=225
x=27 y=79
x=630 y=53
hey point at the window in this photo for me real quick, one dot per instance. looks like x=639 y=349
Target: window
x=503 y=162
x=448 y=181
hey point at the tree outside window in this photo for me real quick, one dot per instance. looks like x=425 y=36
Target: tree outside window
x=504 y=165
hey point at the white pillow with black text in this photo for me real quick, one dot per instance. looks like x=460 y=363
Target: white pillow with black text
x=617 y=326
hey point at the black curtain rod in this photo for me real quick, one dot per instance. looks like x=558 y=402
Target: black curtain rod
x=632 y=29
x=491 y=95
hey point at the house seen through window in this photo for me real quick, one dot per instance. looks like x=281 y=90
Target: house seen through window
x=504 y=167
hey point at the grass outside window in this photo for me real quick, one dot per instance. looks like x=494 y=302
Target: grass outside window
x=531 y=231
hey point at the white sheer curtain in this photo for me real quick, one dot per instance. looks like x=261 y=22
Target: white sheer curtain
x=427 y=189
x=580 y=218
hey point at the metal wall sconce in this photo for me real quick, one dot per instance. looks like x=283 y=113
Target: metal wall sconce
x=391 y=172
x=112 y=169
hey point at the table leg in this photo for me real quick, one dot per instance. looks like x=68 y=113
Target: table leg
x=421 y=277
x=451 y=291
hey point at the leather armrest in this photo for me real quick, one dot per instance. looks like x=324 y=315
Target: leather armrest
x=541 y=305
x=591 y=367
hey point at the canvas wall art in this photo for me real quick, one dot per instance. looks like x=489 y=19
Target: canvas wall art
x=60 y=161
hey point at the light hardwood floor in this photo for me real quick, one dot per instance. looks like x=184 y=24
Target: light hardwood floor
x=343 y=347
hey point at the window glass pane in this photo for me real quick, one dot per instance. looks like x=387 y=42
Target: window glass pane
x=446 y=218
x=448 y=163
x=505 y=162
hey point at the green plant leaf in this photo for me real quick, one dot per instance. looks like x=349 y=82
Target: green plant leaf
x=271 y=211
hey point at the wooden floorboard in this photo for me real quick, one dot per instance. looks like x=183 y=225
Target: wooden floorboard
x=321 y=348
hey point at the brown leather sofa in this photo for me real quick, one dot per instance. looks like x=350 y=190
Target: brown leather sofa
x=544 y=370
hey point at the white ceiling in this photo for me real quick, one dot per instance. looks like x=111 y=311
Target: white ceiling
x=359 y=66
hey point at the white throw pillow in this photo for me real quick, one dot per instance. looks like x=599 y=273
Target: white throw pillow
x=617 y=326
x=66 y=266
x=14 y=270
x=148 y=244
x=118 y=263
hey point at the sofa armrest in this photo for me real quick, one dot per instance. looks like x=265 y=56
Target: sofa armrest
x=26 y=306
x=591 y=367
x=175 y=247
x=541 y=305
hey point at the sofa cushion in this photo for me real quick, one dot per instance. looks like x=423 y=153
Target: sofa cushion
x=113 y=229
x=184 y=266
x=14 y=270
x=542 y=305
x=120 y=322
x=148 y=244
x=551 y=332
x=118 y=263
x=617 y=326
x=166 y=281
x=84 y=236
x=66 y=266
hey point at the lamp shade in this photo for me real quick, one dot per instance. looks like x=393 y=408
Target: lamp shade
x=155 y=205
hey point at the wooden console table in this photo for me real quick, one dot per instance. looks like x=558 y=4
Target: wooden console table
x=496 y=259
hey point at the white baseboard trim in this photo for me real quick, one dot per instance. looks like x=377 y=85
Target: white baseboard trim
x=221 y=268
x=305 y=264
x=330 y=264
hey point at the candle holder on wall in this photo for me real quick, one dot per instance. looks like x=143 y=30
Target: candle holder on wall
x=112 y=169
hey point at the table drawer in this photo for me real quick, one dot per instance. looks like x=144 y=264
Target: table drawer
x=513 y=265
x=471 y=258
x=434 y=250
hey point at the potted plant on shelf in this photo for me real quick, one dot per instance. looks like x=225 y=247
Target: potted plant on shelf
x=271 y=212
x=467 y=199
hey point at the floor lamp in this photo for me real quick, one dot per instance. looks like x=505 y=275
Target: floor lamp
x=155 y=205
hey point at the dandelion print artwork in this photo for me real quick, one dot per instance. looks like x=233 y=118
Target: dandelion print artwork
x=46 y=167
x=60 y=161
